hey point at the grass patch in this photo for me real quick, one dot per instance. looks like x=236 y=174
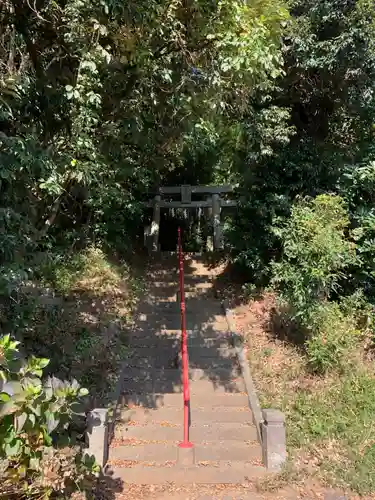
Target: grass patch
x=84 y=271
x=330 y=419
x=76 y=314
x=337 y=425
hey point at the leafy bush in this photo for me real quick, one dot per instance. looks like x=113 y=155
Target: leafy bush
x=64 y=272
x=315 y=254
x=250 y=234
x=361 y=310
x=334 y=334
x=358 y=186
x=38 y=457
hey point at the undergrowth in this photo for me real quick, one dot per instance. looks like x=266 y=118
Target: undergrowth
x=337 y=423
x=311 y=358
x=41 y=431
x=75 y=313
x=330 y=430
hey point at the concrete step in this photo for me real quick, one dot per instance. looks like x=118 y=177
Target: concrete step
x=172 y=311
x=205 y=338
x=158 y=320
x=226 y=450
x=175 y=342
x=206 y=363
x=191 y=287
x=172 y=275
x=191 y=297
x=197 y=387
x=197 y=313
x=191 y=270
x=174 y=374
x=138 y=380
x=202 y=306
x=160 y=299
x=199 y=433
x=195 y=351
x=190 y=284
x=222 y=473
x=215 y=386
x=147 y=324
x=151 y=363
x=150 y=352
x=211 y=352
x=215 y=375
x=199 y=357
x=155 y=342
x=207 y=299
x=157 y=400
x=142 y=416
x=195 y=295
x=161 y=341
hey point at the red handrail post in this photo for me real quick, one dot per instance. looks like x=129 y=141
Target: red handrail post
x=184 y=351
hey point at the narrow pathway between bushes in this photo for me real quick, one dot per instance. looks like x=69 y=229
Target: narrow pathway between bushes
x=144 y=449
x=143 y=453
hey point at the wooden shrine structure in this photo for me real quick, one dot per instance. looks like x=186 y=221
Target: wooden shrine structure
x=212 y=201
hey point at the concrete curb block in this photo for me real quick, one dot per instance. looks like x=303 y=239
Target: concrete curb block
x=100 y=424
x=245 y=370
x=97 y=435
x=274 y=441
x=270 y=424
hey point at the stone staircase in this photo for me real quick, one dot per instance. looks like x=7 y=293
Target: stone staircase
x=144 y=449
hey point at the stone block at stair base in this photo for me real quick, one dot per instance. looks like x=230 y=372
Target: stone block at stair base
x=97 y=435
x=273 y=439
x=185 y=456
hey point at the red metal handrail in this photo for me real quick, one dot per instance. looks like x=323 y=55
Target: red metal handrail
x=184 y=351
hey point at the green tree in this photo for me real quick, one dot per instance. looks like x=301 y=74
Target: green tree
x=328 y=88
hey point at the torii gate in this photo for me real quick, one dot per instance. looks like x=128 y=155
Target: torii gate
x=212 y=201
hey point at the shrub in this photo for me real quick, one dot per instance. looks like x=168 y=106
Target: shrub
x=362 y=311
x=333 y=336
x=38 y=457
x=315 y=254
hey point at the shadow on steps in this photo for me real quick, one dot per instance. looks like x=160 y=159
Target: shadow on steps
x=151 y=424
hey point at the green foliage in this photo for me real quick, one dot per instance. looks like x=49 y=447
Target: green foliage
x=328 y=89
x=250 y=235
x=318 y=254
x=339 y=418
x=315 y=253
x=334 y=336
x=357 y=185
x=63 y=272
x=100 y=104
x=34 y=419
x=122 y=100
x=74 y=304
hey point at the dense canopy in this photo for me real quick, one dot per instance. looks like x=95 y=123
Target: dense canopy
x=102 y=101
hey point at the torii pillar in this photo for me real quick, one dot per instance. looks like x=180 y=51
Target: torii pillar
x=155 y=225
x=216 y=209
